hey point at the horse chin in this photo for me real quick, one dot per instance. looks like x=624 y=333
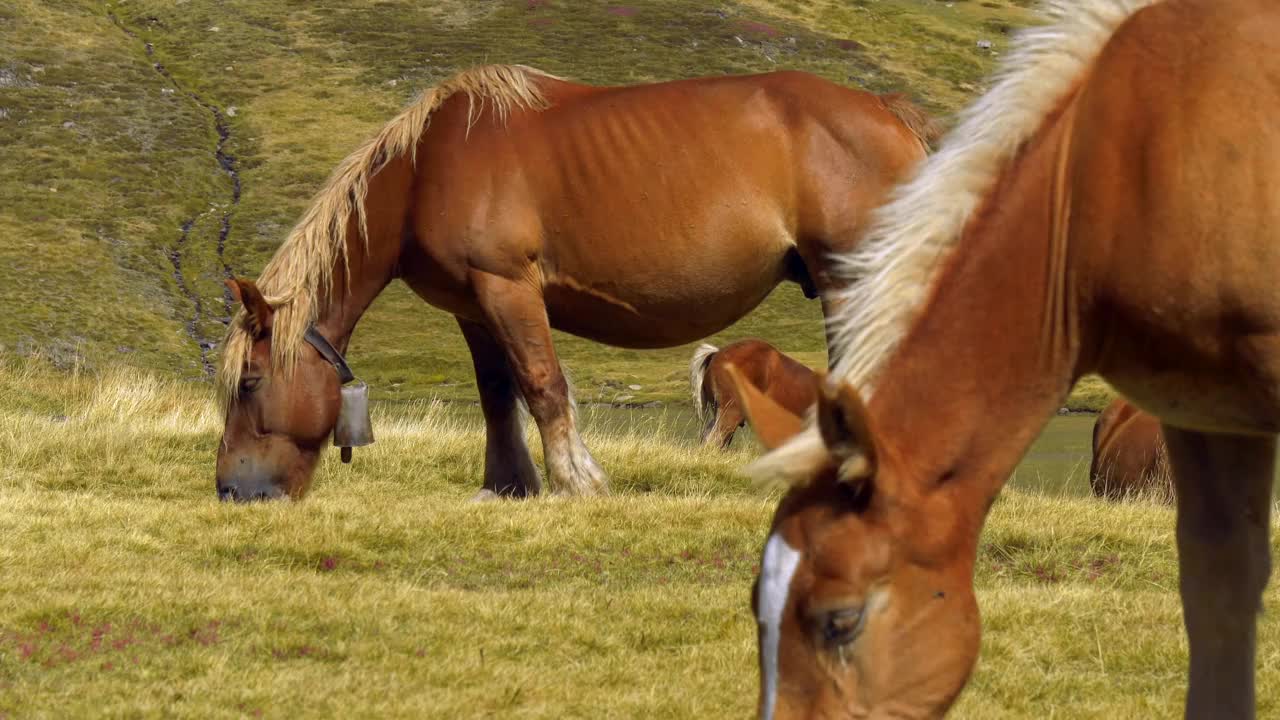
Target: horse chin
x=264 y=487
x=273 y=469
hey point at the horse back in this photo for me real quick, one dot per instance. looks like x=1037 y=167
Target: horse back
x=789 y=144
x=626 y=206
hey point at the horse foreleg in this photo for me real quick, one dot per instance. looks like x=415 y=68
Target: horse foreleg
x=1223 y=487
x=508 y=466
x=518 y=319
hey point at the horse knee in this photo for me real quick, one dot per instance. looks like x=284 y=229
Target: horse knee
x=546 y=392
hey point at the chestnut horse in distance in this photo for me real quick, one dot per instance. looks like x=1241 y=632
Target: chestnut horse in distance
x=1129 y=457
x=788 y=382
x=643 y=217
x=1110 y=206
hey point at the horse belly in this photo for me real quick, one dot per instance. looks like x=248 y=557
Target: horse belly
x=1225 y=400
x=664 y=274
x=680 y=308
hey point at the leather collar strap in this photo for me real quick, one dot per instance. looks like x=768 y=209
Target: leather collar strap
x=330 y=353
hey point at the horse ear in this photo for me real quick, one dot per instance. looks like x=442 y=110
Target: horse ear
x=256 y=308
x=771 y=422
x=846 y=430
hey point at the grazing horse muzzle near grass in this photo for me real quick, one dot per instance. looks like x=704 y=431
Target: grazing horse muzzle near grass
x=1109 y=207
x=847 y=625
x=519 y=203
x=1129 y=457
x=786 y=381
x=265 y=454
x=278 y=424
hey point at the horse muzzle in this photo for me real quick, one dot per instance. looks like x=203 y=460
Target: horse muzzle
x=243 y=490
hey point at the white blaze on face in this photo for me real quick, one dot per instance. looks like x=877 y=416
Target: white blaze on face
x=776 y=571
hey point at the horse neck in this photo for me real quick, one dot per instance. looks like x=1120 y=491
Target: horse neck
x=372 y=260
x=988 y=360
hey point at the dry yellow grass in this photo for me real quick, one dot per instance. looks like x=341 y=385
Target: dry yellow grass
x=128 y=591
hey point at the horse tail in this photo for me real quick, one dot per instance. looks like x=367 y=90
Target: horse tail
x=706 y=407
x=920 y=123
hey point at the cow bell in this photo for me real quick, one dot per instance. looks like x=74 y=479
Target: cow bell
x=354 y=428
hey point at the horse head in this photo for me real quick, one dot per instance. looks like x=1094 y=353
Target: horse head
x=855 y=615
x=277 y=419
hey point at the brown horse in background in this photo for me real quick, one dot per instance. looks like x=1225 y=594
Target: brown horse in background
x=788 y=382
x=643 y=217
x=1109 y=207
x=1129 y=457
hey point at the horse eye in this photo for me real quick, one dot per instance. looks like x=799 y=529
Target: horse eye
x=248 y=385
x=841 y=627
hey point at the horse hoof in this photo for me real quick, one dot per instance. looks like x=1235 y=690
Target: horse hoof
x=485 y=495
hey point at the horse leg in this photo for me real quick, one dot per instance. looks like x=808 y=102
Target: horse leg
x=819 y=281
x=709 y=426
x=1223 y=487
x=518 y=319
x=508 y=466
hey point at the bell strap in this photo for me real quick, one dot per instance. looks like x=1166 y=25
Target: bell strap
x=330 y=353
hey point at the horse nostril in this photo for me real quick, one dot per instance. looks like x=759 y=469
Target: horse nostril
x=226 y=493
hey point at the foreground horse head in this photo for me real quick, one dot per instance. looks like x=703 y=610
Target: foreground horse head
x=276 y=422
x=1108 y=207
x=857 y=609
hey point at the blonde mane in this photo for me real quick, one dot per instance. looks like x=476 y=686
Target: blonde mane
x=301 y=271
x=891 y=271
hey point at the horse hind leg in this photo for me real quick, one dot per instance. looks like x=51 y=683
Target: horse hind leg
x=1223 y=492
x=518 y=319
x=508 y=467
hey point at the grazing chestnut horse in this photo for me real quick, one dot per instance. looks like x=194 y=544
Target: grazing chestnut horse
x=787 y=382
x=646 y=216
x=1129 y=458
x=1112 y=205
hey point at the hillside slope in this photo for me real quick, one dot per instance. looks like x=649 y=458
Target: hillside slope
x=159 y=146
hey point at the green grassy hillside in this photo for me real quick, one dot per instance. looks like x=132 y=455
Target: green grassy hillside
x=156 y=146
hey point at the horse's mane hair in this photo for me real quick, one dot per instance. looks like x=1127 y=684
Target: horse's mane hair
x=301 y=271
x=891 y=271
